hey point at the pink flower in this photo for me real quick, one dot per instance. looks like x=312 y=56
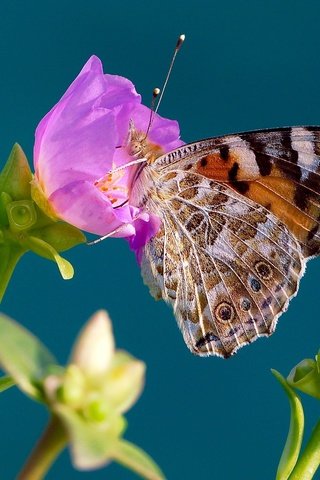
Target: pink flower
x=80 y=140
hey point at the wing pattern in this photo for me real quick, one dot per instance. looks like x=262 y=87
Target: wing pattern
x=227 y=265
x=279 y=169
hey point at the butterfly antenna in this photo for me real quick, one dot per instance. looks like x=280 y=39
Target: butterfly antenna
x=179 y=43
x=155 y=93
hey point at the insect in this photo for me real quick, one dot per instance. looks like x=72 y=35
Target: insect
x=240 y=217
x=239 y=220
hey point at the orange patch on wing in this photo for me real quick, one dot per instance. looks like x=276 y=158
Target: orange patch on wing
x=215 y=167
x=277 y=194
x=238 y=162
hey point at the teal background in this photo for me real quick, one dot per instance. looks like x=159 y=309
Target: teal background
x=245 y=65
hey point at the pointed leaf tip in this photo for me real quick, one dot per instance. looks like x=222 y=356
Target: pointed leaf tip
x=16 y=175
x=42 y=248
x=65 y=267
x=6 y=382
x=135 y=459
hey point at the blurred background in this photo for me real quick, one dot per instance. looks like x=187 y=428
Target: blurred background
x=245 y=65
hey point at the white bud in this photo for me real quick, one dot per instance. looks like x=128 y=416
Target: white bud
x=94 y=347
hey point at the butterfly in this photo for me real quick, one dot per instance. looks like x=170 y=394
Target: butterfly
x=239 y=220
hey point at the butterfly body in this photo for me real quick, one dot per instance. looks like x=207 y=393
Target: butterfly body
x=239 y=218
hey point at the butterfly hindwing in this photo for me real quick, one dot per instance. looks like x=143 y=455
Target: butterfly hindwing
x=226 y=265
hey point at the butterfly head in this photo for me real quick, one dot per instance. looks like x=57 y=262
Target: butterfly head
x=140 y=146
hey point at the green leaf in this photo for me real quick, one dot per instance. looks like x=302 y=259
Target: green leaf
x=136 y=459
x=6 y=382
x=42 y=248
x=309 y=461
x=61 y=236
x=23 y=357
x=91 y=442
x=293 y=444
x=16 y=175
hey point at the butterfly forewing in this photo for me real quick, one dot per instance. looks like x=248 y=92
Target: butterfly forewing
x=278 y=169
x=240 y=214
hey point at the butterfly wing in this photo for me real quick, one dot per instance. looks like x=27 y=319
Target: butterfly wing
x=226 y=265
x=240 y=215
x=279 y=169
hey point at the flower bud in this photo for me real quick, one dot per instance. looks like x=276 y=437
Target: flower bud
x=72 y=391
x=305 y=377
x=94 y=348
x=97 y=410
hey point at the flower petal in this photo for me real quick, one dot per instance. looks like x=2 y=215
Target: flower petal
x=146 y=227
x=83 y=205
x=82 y=139
x=124 y=381
x=77 y=138
x=163 y=132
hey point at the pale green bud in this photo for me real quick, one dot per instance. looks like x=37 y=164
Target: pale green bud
x=305 y=376
x=73 y=388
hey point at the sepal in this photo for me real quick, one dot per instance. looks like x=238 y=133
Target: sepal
x=24 y=226
x=138 y=460
x=6 y=382
x=306 y=377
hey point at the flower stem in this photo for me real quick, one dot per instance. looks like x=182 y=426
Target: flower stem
x=45 y=452
x=9 y=256
x=309 y=461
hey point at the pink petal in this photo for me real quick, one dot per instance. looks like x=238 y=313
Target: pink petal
x=78 y=136
x=163 y=132
x=147 y=226
x=83 y=205
x=82 y=138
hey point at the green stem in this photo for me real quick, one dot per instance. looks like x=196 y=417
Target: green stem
x=292 y=446
x=45 y=452
x=309 y=461
x=9 y=257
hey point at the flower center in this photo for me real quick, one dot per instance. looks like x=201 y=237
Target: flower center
x=112 y=187
x=116 y=185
